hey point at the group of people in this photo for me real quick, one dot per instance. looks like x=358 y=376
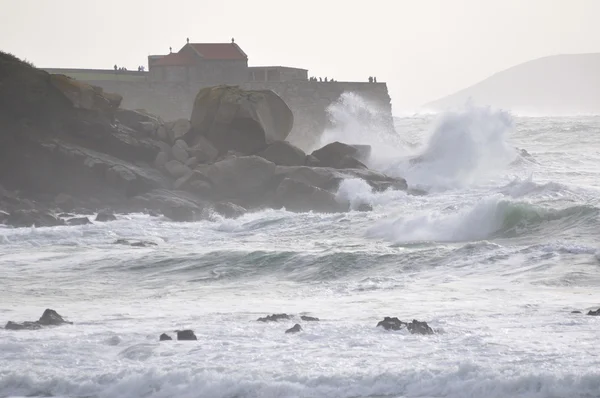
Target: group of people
x=372 y=79
x=320 y=79
x=141 y=68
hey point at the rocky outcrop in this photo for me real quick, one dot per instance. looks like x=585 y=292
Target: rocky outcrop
x=186 y=335
x=274 y=318
x=414 y=327
x=294 y=329
x=594 y=312
x=343 y=156
x=298 y=196
x=283 y=153
x=32 y=218
x=244 y=121
x=165 y=337
x=85 y=96
x=48 y=318
x=309 y=318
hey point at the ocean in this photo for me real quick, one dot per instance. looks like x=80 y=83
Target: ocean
x=492 y=247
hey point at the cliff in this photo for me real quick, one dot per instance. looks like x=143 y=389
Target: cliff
x=308 y=100
x=561 y=84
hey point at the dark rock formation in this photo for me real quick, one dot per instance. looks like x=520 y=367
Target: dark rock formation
x=164 y=337
x=244 y=121
x=575 y=312
x=105 y=216
x=135 y=243
x=78 y=221
x=414 y=327
x=29 y=218
x=48 y=318
x=295 y=329
x=274 y=318
x=342 y=156
x=186 y=335
x=298 y=196
x=282 y=153
x=309 y=318
x=594 y=313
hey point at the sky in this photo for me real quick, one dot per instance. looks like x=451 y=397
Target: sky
x=423 y=49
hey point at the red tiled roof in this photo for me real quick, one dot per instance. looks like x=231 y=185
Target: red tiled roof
x=175 y=59
x=219 y=51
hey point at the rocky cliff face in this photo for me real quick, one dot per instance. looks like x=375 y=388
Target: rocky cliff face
x=66 y=145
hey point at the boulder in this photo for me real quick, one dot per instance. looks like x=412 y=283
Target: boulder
x=179 y=129
x=105 y=215
x=414 y=327
x=138 y=120
x=186 y=335
x=161 y=159
x=312 y=161
x=203 y=150
x=298 y=196
x=161 y=134
x=78 y=221
x=48 y=318
x=237 y=178
x=594 y=313
x=342 y=156
x=180 y=151
x=29 y=218
x=282 y=153
x=64 y=202
x=135 y=243
x=309 y=318
x=274 y=318
x=164 y=337
x=295 y=329
x=235 y=119
x=192 y=162
x=176 y=169
x=575 y=312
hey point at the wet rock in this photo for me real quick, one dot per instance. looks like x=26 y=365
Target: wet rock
x=161 y=159
x=29 y=218
x=177 y=169
x=575 y=312
x=79 y=221
x=235 y=119
x=282 y=153
x=229 y=210
x=135 y=243
x=179 y=129
x=3 y=217
x=295 y=329
x=203 y=150
x=186 y=335
x=297 y=196
x=274 y=318
x=309 y=318
x=594 y=313
x=105 y=216
x=64 y=202
x=179 y=151
x=164 y=337
x=342 y=156
x=414 y=327
x=66 y=215
x=48 y=318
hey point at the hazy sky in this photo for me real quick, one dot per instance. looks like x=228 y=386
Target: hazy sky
x=424 y=49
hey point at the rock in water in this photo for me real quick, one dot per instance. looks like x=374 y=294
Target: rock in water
x=79 y=221
x=297 y=196
x=309 y=318
x=274 y=318
x=48 y=318
x=105 y=215
x=235 y=119
x=164 y=337
x=29 y=218
x=186 y=335
x=51 y=317
x=282 y=153
x=594 y=313
x=414 y=327
x=295 y=329
x=342 y=156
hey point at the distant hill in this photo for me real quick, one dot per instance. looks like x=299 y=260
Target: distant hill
x=557 y=85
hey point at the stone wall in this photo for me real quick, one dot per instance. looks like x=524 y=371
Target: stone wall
x=308 y=100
